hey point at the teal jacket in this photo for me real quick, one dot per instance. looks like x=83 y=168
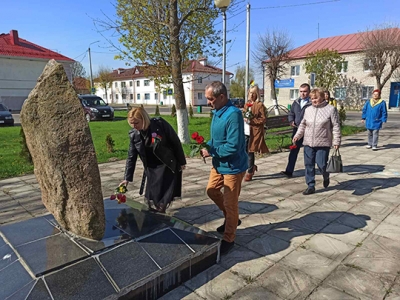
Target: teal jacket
x=375 y=115
x=227 y=143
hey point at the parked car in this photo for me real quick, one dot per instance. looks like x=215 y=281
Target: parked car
x=238 y=102
x=6 y=117
x=96 y=108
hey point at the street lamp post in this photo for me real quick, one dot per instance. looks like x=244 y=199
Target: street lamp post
x=90 y=67
x=223 y=5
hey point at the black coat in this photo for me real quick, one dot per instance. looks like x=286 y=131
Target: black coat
x=296 y=113
x=169 y=150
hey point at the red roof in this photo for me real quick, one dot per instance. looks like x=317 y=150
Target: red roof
x=193 y=66
x=12 y=45
x=342 y=43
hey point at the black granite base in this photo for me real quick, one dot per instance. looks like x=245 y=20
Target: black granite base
x=142 y=255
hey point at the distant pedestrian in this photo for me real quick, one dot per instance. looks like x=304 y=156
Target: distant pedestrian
x=374 y=114
x=331 y=101
x=229 y=160
x=296 y=114
x=255 y=141
x=160 y=150
x=320 y=128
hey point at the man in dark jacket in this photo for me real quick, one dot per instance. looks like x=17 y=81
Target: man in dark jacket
x=295 y=116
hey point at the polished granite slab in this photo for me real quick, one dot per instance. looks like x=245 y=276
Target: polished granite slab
x=142 y=255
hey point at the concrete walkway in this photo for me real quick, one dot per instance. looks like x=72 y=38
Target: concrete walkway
x=341 y=243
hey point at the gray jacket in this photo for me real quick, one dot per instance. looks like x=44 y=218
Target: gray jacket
x=296 y=113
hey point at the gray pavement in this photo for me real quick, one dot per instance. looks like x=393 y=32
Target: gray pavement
x=343 y=242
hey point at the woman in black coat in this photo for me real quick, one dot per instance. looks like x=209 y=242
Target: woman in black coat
x=161 y=153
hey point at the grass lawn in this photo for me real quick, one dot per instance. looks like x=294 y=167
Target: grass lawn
x=11 y=164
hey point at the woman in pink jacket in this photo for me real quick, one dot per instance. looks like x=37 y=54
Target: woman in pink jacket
x=320 y=128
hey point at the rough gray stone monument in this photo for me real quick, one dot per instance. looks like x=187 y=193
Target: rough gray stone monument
x=59 y=140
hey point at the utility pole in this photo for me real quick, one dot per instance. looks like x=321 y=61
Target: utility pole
x=90 y=69
x=247 y=52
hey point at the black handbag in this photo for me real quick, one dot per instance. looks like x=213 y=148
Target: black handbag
x=335 y=164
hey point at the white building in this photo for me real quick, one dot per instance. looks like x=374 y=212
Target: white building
x=132 y=86
x=354 y=67
x=21 y=63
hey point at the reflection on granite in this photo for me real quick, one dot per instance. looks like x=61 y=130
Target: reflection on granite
x=195 y=241
x=128 y=264
x=165 y=247
x=7 y=256
x=32 y=230
x=39 y=292
x=84 y=280
x=22 y=294
x=12 y=278
x=46 y=254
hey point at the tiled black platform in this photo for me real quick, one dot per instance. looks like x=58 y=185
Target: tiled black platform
x=142 y=256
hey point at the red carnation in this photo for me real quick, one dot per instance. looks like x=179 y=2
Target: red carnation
x=249 y=104
x=195 y=135
x=292 y=147
x=112 y=197
x=123 y=198
x=199 y=139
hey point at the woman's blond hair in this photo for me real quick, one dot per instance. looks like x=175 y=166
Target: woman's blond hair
x=255 y=89
x=318 y=91
x=141 y=114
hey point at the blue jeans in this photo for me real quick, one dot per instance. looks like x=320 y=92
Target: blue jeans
x=373 y=135
x=293 y=154
x=314 y=155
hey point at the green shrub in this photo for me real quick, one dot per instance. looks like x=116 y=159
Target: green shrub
x=191 y=110
x=110 y=143
x=342 y=115
x=25 y=154
x=157 y=113
x=173 y=111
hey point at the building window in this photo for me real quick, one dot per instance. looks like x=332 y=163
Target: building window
x=116 y=96
x=123 y=84
x=137 y=96
x=131 y=96
x=200 y=80
x=130 y=83
x=138 y=83
x=123 y=96
x=367 y=92
x=155 y=96
x=147 y=83
x=116 y=84
x=146 y=96
x=200 y=96
x=342 y=67
x=294 y=94
x=165 y=95
x=340 y=93
x=368 y=64
x=295 y=70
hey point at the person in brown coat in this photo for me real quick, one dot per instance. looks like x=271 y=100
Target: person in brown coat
x=255 y=117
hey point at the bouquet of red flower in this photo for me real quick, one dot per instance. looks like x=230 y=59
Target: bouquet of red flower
x=247 y=114
x=291 y=147
x=119 y=194
x=196 y=147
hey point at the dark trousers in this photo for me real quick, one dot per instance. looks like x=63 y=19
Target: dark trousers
x=314 y=155
x=293 y=153
x=250 y=155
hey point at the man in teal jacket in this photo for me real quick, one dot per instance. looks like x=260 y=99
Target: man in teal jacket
x=374 y=114
x=229 y=160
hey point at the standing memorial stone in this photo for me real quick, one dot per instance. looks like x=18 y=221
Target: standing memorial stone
x=59 y=140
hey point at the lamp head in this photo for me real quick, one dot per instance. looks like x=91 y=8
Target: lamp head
x=222 y=4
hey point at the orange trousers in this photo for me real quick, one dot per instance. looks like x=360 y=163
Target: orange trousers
x=228 y=201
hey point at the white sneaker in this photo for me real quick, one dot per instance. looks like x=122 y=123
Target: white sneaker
x=374 y=148
x=368 y=147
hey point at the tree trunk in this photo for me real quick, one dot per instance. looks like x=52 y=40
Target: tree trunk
x=176 y=66
x=273 y=91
